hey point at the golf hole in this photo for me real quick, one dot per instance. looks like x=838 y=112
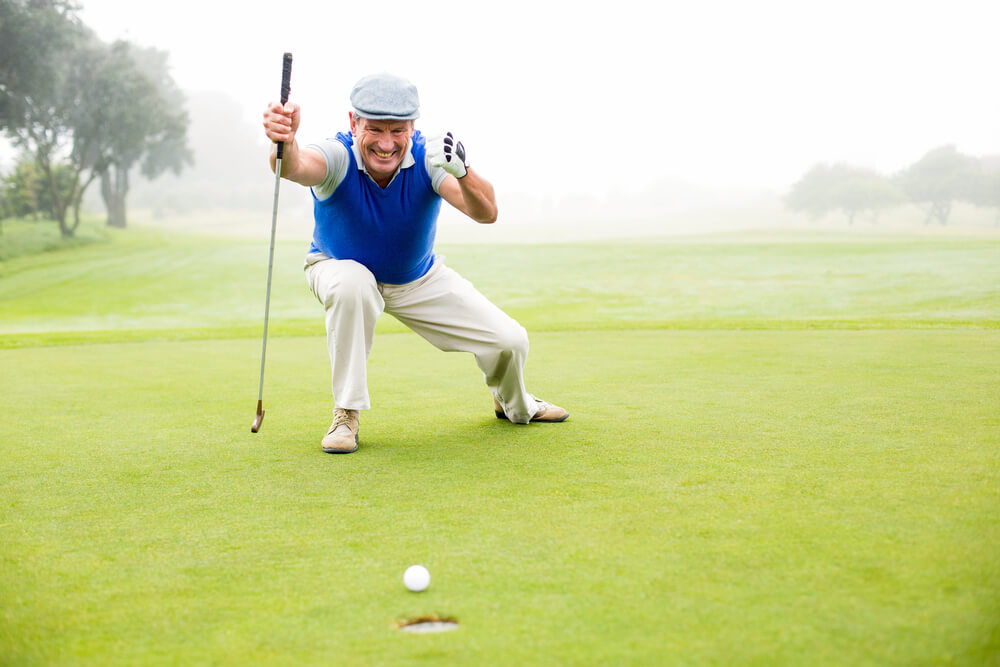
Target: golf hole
x=427 y=624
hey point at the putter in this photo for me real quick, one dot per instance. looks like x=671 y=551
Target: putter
x=286 y=79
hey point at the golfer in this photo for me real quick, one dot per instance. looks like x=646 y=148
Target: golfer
x=376 y=195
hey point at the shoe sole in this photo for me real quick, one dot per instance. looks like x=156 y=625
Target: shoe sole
x=501 y=415
x=339 y=451
x=343 y=451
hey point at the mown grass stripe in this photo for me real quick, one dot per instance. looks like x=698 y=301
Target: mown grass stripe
x=310 y=328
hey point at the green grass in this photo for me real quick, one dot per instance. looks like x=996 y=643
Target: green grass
x=151 y=285
x=25 y=237
x=781 y=451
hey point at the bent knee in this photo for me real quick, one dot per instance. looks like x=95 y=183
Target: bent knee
x=513 y=338
x=343 y=282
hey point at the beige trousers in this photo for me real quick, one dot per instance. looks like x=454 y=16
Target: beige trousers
x=442 y=306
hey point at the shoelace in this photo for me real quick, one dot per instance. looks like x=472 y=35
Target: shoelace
x=341 y=418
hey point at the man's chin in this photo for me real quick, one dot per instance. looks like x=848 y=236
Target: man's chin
x=381 y=168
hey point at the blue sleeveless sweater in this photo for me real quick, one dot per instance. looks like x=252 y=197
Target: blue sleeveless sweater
x=391 y=231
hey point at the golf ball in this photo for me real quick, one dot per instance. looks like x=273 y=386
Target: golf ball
x=417 y=578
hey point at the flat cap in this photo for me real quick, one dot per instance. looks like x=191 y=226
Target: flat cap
x=385 y=97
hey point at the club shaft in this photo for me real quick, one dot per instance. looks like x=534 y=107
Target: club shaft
x=270 y=265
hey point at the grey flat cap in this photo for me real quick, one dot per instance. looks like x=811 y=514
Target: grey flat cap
x=385 y=97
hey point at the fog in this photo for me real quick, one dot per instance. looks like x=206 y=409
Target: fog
x=676 y=105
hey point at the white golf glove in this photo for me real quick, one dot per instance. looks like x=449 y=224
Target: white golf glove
x=445 y=152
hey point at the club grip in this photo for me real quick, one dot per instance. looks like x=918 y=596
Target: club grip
x=286 y=87
x=286 y=77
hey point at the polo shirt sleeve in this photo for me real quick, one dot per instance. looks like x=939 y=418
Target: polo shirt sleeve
x=437 y=174
x=337 y=164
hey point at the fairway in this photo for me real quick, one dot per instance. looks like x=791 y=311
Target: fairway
x=781 y=450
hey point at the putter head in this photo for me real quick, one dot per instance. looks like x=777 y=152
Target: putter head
x=259 y=418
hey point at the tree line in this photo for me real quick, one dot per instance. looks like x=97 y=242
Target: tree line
x=80 y=110
x=937 y=180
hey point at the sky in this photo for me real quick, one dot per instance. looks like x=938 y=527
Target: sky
x=586 y=97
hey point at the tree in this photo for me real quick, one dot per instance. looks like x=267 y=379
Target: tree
x=991 y=191
x=811 y=193
x=23 y=189
x=226 y=171
x=86 y=108
x=40 y=39
x=840 y=187
x=939 y=178
x=26 y=190
x=30 y=32
x=985 y=190
x=147 y=123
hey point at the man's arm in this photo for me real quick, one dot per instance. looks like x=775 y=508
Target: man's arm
x=464 y=189
x=303 y=167
x=472 y=195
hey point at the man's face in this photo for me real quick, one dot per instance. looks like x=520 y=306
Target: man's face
x=382 y=144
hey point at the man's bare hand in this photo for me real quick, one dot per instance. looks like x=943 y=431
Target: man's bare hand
x=281 y=122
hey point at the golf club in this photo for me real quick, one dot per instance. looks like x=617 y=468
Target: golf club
x=286 y=79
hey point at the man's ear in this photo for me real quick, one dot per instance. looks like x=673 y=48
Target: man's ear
x=354 y=124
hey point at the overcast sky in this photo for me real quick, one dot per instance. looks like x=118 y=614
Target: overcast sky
x=612 y=96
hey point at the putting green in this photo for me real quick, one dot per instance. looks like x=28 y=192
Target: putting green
x=780 y=451
x=838 y=488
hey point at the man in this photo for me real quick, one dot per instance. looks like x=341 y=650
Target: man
x=377 y=192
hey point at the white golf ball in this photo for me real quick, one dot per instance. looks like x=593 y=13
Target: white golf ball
x=417 y=578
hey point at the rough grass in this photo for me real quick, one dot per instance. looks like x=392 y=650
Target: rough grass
x=779 y=453
x=28 y=238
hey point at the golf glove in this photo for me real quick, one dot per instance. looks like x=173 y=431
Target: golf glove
x=445 y=152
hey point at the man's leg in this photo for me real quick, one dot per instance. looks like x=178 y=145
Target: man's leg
x=447 y=310
x=351 y=297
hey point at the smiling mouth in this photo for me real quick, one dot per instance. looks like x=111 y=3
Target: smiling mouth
x=383 y=155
